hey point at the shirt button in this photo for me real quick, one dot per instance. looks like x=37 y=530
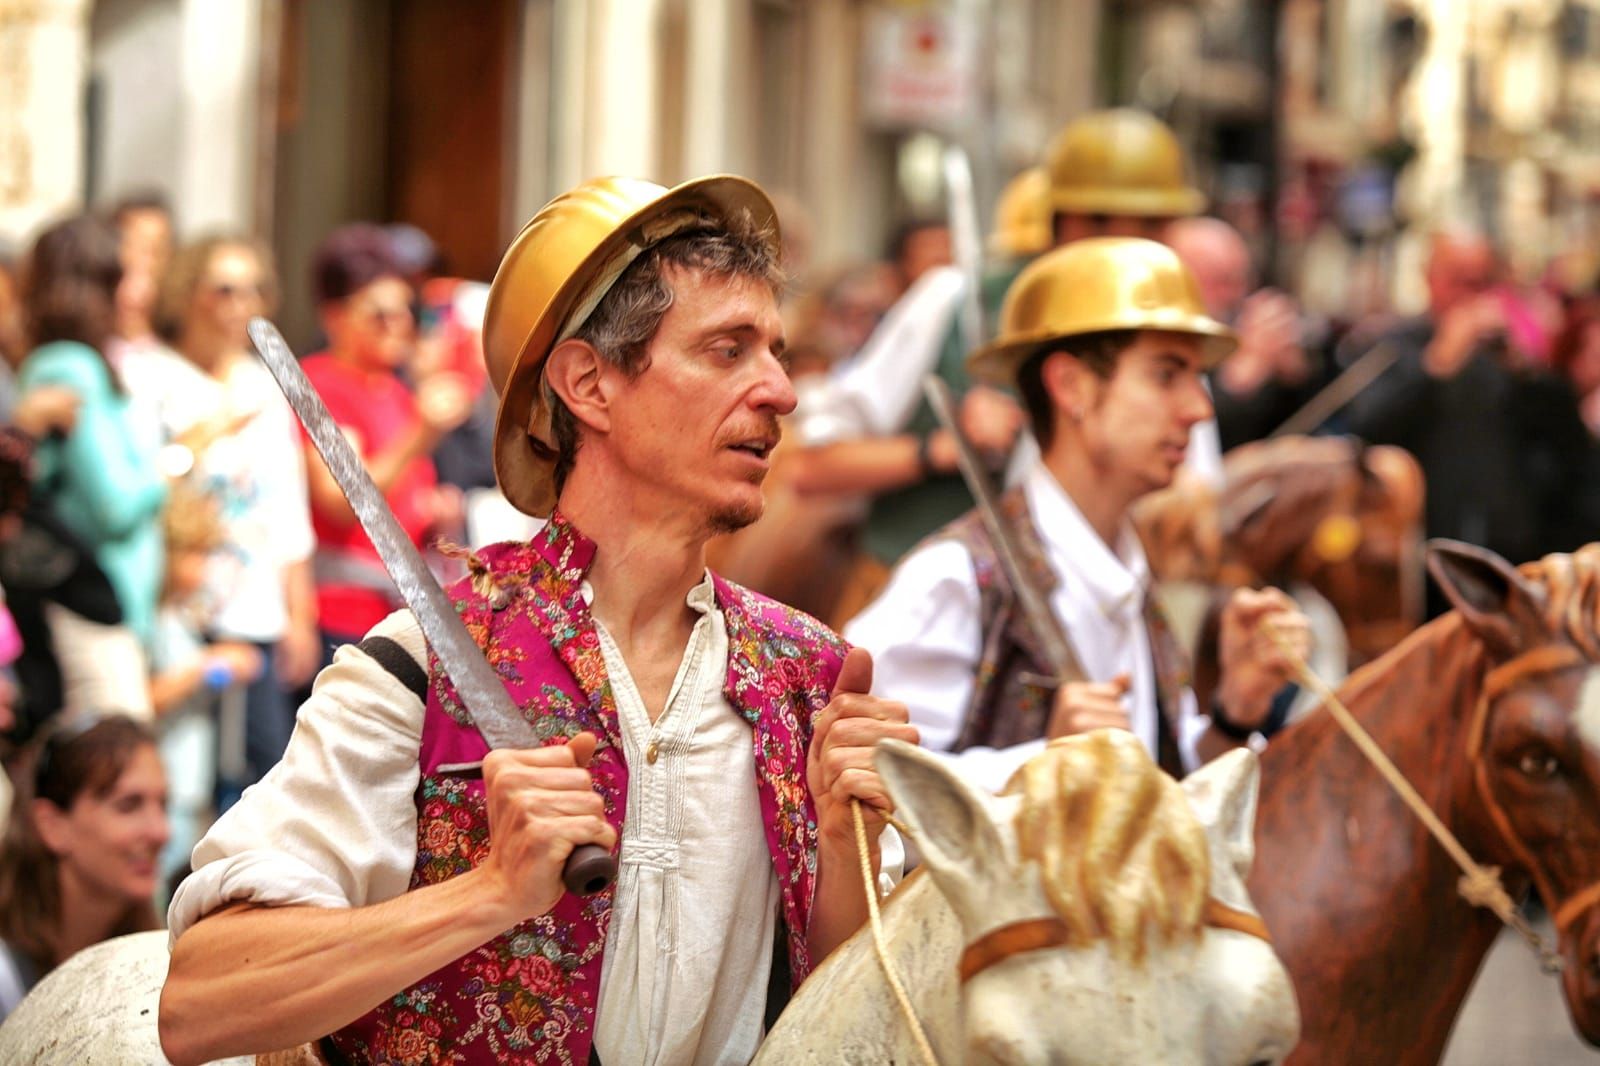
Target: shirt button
x=651 y=752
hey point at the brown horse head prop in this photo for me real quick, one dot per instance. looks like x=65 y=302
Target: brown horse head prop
x=1326 y=511
x=1534 y=739
x=1493 y=713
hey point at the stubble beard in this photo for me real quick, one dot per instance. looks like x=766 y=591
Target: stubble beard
x=734 y=517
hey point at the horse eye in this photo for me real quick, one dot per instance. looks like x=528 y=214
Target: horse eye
x=1538 y=764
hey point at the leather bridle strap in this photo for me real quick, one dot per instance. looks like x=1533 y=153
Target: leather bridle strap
x=1575 y=905
x=1500 y=680
x=997 y=945
x=1040 y=934
x=1218 y=915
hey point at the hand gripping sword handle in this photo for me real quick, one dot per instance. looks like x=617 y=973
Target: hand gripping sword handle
x=590 y=868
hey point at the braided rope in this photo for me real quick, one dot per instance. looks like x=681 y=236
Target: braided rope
x=881 y=945
x=1479 y=885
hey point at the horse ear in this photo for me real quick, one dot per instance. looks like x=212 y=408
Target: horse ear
x=1487 y=591
x=951 y=821
x=1223 y=796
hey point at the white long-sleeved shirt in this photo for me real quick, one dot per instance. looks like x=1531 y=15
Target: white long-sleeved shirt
x=925 y=634
x=875 y=393
x=694 y=911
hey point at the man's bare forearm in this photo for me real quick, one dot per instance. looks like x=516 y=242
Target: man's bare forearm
x=868 y=465
x=253 y=980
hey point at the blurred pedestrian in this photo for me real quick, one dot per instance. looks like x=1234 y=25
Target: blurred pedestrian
x=43 y=567
x=1505 y=455
x=1575 y=355
x=1272 y=373
x=803 y=547
x=364 y=304
x=101 y=478
x=13 y=341
x=232 y=433
x=870 y=432
x=78 y=864
x=195 y=681
x=144 y=227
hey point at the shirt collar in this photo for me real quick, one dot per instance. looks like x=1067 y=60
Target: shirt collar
x=702 y=599
x=1117 y=580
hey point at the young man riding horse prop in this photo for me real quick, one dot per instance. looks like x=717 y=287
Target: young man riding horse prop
x=396 y=884
x=1106 y=339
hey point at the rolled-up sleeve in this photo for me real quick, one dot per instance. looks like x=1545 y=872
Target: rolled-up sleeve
x=334 y=824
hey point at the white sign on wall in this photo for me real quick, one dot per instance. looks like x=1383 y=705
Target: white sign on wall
x=921 y=66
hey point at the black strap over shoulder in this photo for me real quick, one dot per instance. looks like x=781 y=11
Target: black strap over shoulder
x=388 y=654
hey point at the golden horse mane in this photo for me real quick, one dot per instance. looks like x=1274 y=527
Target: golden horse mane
x=1571 y=585
x=1121 y=855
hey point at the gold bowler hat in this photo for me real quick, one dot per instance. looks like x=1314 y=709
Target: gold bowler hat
x=1022 y=216
x=1095 y=285
x=1120 y=162
x=551 y=279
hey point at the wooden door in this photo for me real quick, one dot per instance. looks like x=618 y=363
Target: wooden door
x=449 y=125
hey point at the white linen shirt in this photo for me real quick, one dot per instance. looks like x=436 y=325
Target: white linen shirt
x=685 y=973
x=925 y=635
x=693 y=915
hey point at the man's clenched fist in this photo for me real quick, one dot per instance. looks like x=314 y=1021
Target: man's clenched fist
x=839 y=767
x=542 y=804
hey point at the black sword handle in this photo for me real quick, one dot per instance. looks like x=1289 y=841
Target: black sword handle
x=590 y=869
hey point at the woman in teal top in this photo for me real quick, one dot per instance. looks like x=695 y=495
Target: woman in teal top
x=102 y=478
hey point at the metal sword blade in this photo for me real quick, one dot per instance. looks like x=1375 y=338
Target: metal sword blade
x=1338 y=393
x=481 y=691
x=1035 y=608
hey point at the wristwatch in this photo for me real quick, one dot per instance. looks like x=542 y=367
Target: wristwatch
x=1276 y=718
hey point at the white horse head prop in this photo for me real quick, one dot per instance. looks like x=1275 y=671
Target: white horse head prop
x=1095 y=912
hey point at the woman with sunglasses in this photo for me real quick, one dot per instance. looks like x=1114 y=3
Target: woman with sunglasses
x=232 y=436
x=79 y=860
x=364 y=306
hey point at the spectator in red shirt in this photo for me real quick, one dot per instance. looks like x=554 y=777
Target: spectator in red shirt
x=364 y=305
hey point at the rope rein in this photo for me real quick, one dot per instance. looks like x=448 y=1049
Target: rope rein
x=881 y=945
x=1479 y=885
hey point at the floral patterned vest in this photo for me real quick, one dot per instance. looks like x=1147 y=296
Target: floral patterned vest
x=1011 y=696
x=529 y=995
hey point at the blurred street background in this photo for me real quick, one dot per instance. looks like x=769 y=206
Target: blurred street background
x=354 y=169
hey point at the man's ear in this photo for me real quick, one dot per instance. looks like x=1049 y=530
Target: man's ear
x=575 y=372
x=1068 y=383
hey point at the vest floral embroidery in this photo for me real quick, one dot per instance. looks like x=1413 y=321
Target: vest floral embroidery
x=529 y=995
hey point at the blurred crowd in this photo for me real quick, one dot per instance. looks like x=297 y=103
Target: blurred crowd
x=177 y=563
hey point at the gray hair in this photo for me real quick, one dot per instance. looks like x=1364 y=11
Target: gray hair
x=628 y=316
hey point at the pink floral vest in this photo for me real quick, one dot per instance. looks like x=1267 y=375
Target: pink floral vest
x=529 y=995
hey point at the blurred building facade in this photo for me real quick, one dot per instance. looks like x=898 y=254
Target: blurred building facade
x=1331 y=131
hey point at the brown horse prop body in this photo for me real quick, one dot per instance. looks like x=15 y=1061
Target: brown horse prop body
x=1325 y=511
x=1493 y=713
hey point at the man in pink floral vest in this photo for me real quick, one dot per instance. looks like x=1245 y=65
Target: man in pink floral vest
x=391 y=892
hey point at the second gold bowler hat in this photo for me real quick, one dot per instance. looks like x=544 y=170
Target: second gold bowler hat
x=1095 y=286
x=554 y=275
x=1120 y=162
